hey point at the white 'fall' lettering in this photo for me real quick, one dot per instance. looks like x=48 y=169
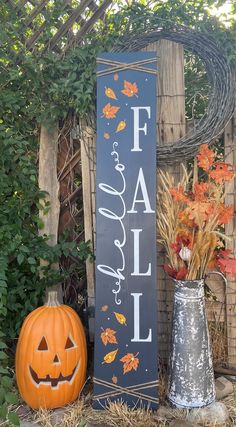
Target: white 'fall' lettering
x=137 y=321
x=137 y=128
x=137 y=271
x=141 y=183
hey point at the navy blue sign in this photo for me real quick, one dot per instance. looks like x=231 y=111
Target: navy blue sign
x=126 y=311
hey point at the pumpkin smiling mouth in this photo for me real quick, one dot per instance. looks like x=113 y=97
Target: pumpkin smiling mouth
x=48 y=380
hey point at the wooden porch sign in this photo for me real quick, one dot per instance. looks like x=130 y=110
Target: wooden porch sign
x=126 y=312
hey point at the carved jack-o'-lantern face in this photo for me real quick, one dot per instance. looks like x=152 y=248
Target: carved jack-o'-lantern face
x=53 y=381
x=51 y=357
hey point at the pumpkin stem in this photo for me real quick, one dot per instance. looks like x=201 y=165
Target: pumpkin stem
x=52 y=299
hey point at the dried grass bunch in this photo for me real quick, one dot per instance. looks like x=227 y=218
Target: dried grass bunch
x=191 y=218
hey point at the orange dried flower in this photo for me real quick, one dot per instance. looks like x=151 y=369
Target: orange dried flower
x=184 y=219
x=205 y=157
x=225 y=214
x=200 y=191
x=227 y=266
x=177 y=274
x=200 y=211
x=221 y=173
x=178 y=194
x=191 y=218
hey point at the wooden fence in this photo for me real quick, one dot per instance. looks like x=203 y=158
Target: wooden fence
x=221 y=305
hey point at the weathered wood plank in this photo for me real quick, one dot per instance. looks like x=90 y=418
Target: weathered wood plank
x=65 y=152
x=48 y=150
x=171 y=94
x=230 y=230
x=47 y=180
x=74 y=160
x=86 y=143
x=65 y=205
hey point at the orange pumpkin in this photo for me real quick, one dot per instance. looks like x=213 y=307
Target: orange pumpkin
x=51 y=356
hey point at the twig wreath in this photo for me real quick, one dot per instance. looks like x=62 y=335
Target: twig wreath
x=222 y=98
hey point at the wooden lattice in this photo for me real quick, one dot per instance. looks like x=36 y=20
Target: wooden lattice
x=55 y=25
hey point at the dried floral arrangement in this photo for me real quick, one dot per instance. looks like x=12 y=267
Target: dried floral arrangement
x=192 y=216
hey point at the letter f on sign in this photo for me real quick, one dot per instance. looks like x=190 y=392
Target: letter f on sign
x=137 y=128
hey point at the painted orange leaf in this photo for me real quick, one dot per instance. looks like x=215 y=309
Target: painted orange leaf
x=130 y=89
x=114 y=379
x=110 y=357
x=130 y=361
x=109 y=111
x=104 y=308
x=205 y=157
x=121 y=126
x=108 y=336
x=106 y=135
x=116 y=76
x=110 y=93
x=120 y=318
x=221 y=173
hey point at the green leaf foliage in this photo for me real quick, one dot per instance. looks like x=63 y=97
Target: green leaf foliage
x=13 y=418
x=11 y=398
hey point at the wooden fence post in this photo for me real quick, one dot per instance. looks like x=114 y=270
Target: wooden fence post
x=88 y=167
x=230 y=230
x=170 y=127
x=48 y=149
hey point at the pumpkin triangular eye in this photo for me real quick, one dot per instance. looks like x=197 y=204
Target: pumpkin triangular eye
x=69 y=343
x=43 y=345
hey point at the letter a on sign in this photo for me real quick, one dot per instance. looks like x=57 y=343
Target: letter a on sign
x=126 y=312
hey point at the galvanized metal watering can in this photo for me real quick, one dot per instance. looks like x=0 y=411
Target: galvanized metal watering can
x=191 y=374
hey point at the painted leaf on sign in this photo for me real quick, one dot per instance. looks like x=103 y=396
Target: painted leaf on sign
x=110 y=111
x=108 y=336
x=130 y=89
x=130 y=362
x=114 y=379
x=121 y=126
x=110 y=357
x=110 y=93
x=120 y=318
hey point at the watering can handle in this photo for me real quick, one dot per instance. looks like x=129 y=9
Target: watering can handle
x=219 y=274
